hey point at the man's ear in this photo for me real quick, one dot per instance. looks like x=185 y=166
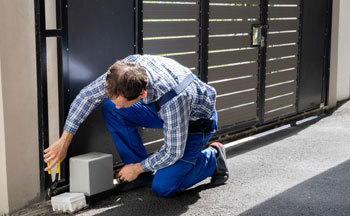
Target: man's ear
x=143 y=93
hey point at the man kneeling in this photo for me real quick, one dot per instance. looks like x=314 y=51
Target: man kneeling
x=153 y=92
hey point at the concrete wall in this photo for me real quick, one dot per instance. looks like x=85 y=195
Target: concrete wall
x=3 y=174
x=340 y=53
x=19 y=156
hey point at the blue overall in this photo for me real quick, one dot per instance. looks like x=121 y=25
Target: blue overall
x=196 y=164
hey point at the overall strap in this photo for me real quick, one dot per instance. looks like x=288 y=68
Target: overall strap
x=174 y=92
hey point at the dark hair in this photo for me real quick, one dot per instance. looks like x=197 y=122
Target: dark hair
x=126 y=79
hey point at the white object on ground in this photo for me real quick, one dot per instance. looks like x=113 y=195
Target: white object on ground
x=68 y=202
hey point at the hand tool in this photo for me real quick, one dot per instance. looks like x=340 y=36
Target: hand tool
x=52 y=191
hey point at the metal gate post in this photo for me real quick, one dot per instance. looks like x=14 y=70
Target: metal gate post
x=138 y=42
x=262 y=63
x=41 y=35
x=203 y=40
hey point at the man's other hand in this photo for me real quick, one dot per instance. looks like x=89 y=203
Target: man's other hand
x=130 y=172
x=57 y=151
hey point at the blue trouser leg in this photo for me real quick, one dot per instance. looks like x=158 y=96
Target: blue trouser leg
x=185 y=173
x=194 y=166
x=122 y=124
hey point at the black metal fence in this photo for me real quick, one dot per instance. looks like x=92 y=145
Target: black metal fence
x=256 y=53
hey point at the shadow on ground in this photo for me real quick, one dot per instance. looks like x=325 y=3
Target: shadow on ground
x=144 y=202
x=324 y=194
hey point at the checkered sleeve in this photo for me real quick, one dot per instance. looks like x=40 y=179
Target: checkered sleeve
x=85 y=102
x=176 y=116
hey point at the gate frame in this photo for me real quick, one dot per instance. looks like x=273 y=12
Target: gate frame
x=229 y=133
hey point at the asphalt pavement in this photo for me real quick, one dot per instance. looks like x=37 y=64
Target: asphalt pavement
x=301 y=170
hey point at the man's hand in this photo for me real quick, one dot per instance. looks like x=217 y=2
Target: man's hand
x=130 y=172
x=57 y=151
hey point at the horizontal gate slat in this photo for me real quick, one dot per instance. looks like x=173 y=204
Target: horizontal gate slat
x=170 y=11
x=232 y=71
x=159 y=29
x=282 y=12
x=280 y=113
x=189 y=60
x=236 y=1
x=170 y=45
x=218 y=43
x=169 y=1
x=279 y=102
x=222 y=58
x=280 y=90
x=230 y=27
x=284 y=2
x=236 y=115
x=235 y=85
x=281 y=64
x=233 y=12
x=236 y=99
x=283 y=38
x=282 y=51
x=281 y=77
x=283 y=25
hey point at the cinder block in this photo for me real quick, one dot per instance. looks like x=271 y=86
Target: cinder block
x=91 y=173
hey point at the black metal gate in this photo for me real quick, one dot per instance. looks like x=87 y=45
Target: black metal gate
x=260 y=55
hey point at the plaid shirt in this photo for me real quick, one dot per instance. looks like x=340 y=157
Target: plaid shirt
x=195 y=102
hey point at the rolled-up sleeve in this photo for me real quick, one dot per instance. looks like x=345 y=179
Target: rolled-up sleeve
x=176 y=115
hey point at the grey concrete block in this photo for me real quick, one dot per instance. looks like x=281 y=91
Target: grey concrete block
x=91 y=173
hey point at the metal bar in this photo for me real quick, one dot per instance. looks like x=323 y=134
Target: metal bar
x=233 y=12
x=300 y=47
x=283 y=12
x=43 y=124
x=220 y=43
x=236 y=115
x=232 y=71
x=279 y=102
x=235 y=85
x=262 y=63
x=284 y=2
x=230 y=27
x=236 y=1
x=281 y=77
x=281 y=64
x=59 y=25
x=161 y=29
x=165 y=46
x=138 y=41
x=282 y=51
x=328 y=37
x=170 y=11
x=64 y=93
x=53 y=33
x=280 y=113
x=230 y=57
x=236 y=99
x=282 y=89
x=283 y=25
x=283 y=38
x=203 y=40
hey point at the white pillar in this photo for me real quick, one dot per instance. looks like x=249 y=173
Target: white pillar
x=19 y=154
